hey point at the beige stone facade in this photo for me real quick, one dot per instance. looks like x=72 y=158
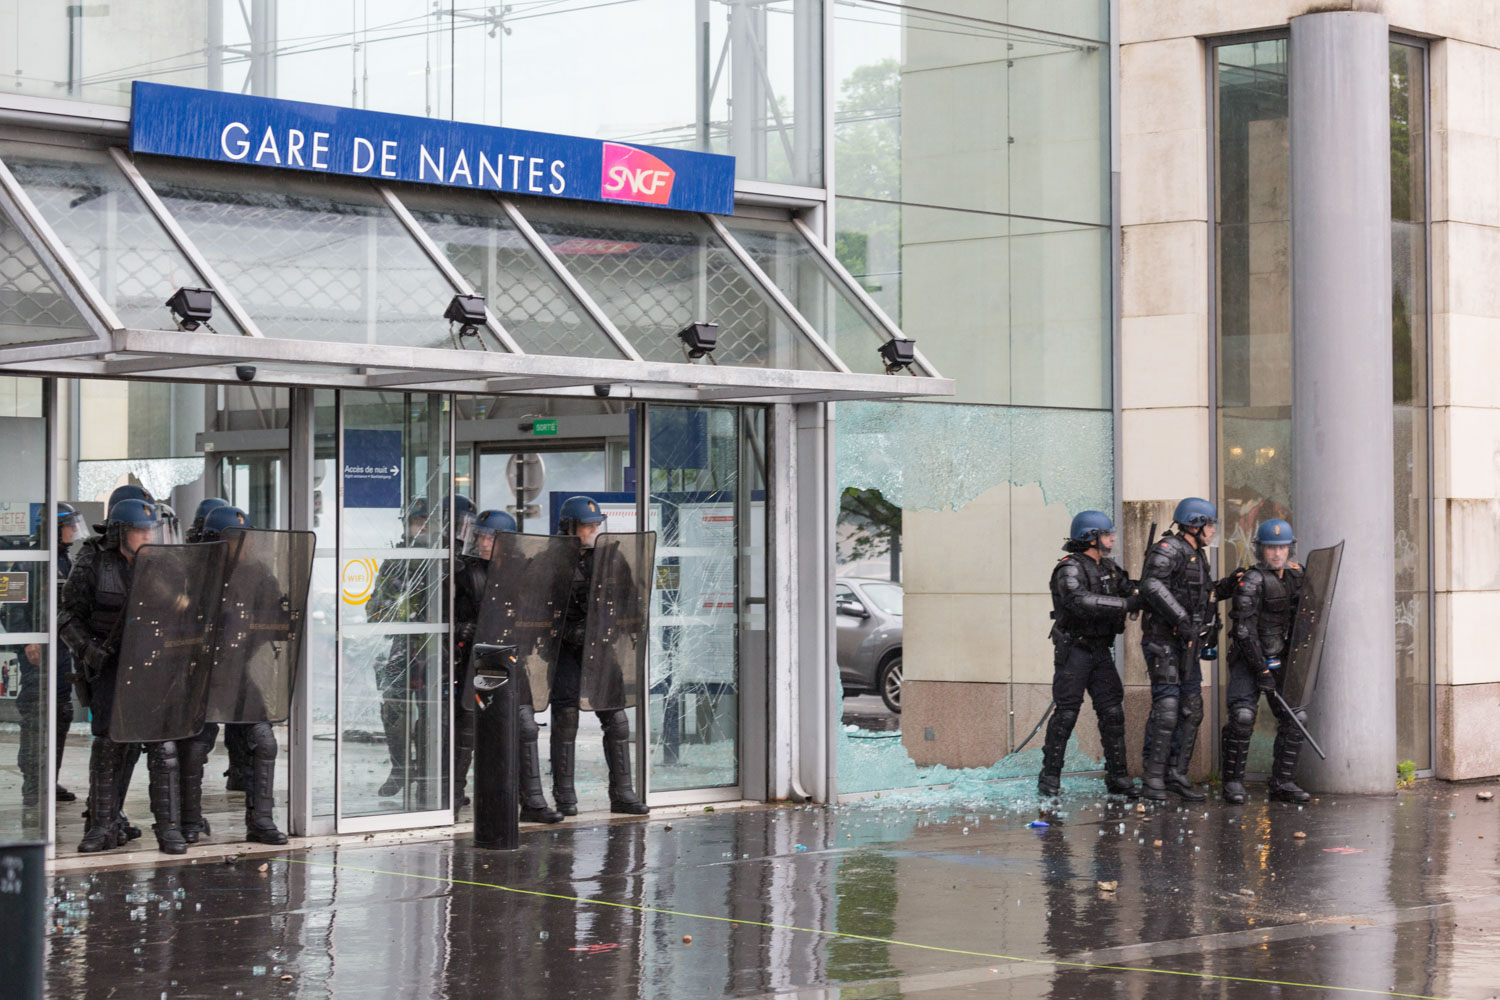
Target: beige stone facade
x=982 y=655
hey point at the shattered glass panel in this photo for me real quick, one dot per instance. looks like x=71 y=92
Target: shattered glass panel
x=33 y=309
x=707 y=503
x=940 y=456
x=653 y=273
x=922 y=476
x=310 y=258
x=110 y=232
x=394 y=547
x=521 y=291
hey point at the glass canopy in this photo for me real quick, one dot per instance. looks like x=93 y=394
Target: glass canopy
x=354 y=277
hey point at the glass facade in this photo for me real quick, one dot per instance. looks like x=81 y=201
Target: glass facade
x=973 y=153
x=738 y=77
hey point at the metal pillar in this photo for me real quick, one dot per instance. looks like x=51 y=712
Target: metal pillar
x=1342 y=425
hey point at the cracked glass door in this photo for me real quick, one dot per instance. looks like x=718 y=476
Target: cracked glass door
x=707 y=503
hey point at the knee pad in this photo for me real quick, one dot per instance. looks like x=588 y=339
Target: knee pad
x=529 y=729
x=1164 y=712
x=162 y=756
x=1242 y=718
x=1065 y=717
x=616 y=724
x=260 y=740
x=1113 y=715
x=1191 y=710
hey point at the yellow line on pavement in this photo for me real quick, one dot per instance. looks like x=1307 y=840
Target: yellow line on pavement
x=1060 y=963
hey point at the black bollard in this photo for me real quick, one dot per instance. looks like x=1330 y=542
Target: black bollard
x=497 y=749
x=23 y=918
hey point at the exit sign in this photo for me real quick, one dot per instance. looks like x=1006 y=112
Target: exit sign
x=544 y=428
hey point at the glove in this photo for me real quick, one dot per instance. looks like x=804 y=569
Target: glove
x=1266 y=679
x=98 y=656
x=1135 y=602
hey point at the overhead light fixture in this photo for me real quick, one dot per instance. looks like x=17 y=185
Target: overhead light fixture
x=898 y=354
x=699 y=339
x=468 y=312
x=191 y=307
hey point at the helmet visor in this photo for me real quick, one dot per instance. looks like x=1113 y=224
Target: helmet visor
x=134 y=537
x=71 y=527
x=480 y=543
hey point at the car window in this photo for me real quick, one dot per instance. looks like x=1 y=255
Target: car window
x=885 y=596
x=842 y=592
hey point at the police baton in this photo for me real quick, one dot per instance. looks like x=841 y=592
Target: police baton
x=1298 y=722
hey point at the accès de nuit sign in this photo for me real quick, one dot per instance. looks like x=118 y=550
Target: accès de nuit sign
x=319 y=138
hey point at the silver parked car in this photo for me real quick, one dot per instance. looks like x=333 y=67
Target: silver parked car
x=868 y=615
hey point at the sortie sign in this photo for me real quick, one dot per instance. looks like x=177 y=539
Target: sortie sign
x=320 y=138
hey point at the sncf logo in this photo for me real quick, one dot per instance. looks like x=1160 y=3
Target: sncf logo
x=632 y=174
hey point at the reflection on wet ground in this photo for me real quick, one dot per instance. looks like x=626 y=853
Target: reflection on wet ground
x=1346 y=897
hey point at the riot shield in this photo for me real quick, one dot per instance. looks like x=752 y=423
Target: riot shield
x=525 y=595
x=1319 y=575
x=261 y=623
x=614 y=651
x=166 y=645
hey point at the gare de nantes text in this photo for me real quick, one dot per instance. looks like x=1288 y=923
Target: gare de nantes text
x=292 y=135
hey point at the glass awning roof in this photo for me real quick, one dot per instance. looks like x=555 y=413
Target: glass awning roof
x=321 y=280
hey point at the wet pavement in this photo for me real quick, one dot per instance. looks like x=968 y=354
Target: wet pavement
x=926 y=894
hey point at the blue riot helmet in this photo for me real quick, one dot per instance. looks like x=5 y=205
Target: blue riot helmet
x=68 y=517
x=576 y=511
x=129 y=491
x=415 y=517
x=207 y=504
x=1195 y=512
x=131 y=524
x=1273 y=532
x=220 y=520
x=1086 y=529
x=482 y=538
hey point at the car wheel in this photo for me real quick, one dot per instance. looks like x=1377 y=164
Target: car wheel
x=889 y=683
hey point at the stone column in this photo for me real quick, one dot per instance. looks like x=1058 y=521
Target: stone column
x=1342 y=432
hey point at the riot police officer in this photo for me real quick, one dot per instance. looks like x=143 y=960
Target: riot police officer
x=473 y=571
x=1263 y=610
x=581 y=516
x=258 y=738
x=30 y=700
x=91 y=621
x=1181 y=595
x=237 y=775
x=1091 y=596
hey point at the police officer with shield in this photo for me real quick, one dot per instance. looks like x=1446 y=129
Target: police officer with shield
x=31 y=699
x=1181 y=595
x=473 y=571
x=258 y=738
x=1091 y=595
x=237 y=776
x=581 y=516
x=1263 y=610
x=399 y=595
x=90 y=621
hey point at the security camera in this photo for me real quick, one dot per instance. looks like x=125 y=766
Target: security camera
x=601 y=389
x=245 y=373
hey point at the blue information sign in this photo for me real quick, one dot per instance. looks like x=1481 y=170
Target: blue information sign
x=372 y=469
x=292 y=135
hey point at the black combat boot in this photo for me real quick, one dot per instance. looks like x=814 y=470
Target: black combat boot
x=622 y=797
x=102 y=812
x=1054 y=747
x=166 y=797
x=1234 y=752
x=534 y=808
x=194 y=755
x=1287 y=749
x=564 y=754
x=1161 y=725
x=260 y=825
x=1117 y=780
x=124 y=829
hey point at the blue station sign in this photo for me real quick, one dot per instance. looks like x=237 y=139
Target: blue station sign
x=320 y=138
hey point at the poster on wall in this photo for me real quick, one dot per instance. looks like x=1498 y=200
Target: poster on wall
x=372 y=469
